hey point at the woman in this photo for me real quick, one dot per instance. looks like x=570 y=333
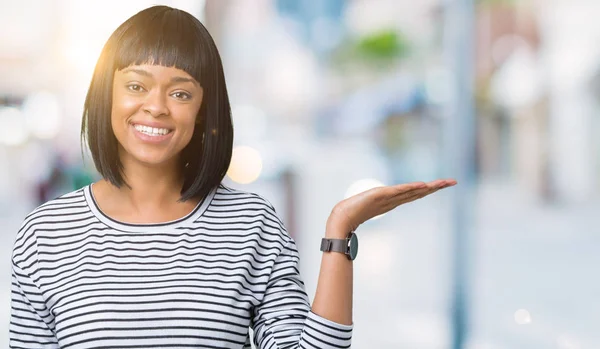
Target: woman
x=159 y=253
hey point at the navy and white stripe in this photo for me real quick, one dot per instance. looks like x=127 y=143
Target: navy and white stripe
x=82 y=280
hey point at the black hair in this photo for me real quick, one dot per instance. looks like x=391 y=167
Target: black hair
x=173 y=38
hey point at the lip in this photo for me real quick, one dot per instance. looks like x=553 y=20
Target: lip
x=150 y=139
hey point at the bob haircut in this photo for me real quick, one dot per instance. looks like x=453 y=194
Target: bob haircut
x=173 y=38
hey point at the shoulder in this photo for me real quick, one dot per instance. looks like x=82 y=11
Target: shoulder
x=229 y=196
x=244 y=207
x=50 y=215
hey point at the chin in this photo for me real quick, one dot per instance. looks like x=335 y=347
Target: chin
x=149 y=156
x=151 y=160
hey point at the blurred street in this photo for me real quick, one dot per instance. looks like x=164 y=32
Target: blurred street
x=333 y=97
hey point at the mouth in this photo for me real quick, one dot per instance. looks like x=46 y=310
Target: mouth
x=152 y=131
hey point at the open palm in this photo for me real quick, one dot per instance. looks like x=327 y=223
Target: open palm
x=357 y=209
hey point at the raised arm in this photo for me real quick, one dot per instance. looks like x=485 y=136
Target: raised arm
x=333 y=298
x=284 y=318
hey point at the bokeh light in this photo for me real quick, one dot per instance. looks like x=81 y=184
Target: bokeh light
x=246 y=165
x=362 y=185
x=522 y=317
x=13 y=131
x=42 y=115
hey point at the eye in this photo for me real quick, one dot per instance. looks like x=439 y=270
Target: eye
x=135 y=88
x=181 y=95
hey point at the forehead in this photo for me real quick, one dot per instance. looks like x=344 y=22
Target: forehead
x=153 y=69
x=157 y=72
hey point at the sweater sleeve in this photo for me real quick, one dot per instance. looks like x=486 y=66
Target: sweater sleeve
x=30 y=324
x=283 y=319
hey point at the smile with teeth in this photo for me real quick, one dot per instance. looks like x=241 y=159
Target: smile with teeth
x=152 y=131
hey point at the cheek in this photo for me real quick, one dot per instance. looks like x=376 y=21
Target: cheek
x=188 y=132
x=123 y=107
x=188 y=123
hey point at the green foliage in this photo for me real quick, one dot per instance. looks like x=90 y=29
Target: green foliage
x=375 y=50
x=383 y=45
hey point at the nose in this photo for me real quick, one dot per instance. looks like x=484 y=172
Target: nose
x=156 y=104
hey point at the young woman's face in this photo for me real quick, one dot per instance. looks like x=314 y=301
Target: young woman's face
x=154 y=111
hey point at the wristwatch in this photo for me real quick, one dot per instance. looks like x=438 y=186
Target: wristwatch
x=347 y=246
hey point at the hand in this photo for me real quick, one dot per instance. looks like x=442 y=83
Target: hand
x=348 y=214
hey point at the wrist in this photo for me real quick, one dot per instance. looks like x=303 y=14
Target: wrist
x=336 y=229
x=347 y=245
x=339 y=224
x=336 y=233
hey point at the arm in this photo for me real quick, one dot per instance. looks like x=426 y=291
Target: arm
x=280 y=321
x=30 y=321
x=284 y=319
x=333 y=298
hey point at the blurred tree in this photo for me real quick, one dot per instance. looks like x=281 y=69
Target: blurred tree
x=382 y=46
x=378 y=50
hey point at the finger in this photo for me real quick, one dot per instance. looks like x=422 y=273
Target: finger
x=387 y=198
x=434 y=187
x=403 y=189
x=436 y=184
x=429 y=188
x=406 y=197
x=417 y=193
x=421 y=193
x=441 y=183
x=415 y=197
x=399 y=196
x=410 y=186
x=448 y=182
x=419 y=185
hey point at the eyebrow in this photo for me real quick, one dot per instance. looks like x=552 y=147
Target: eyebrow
x=183 y=79
x=146 y=73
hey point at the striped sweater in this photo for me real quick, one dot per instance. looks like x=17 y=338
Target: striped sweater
x=82 y=280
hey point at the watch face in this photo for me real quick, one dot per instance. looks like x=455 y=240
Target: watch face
x=353 y=250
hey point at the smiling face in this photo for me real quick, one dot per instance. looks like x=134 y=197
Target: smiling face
x=154 y=112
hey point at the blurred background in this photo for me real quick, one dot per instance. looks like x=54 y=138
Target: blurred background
x=332 y=97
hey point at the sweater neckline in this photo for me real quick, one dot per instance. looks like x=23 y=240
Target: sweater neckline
x=147 y=227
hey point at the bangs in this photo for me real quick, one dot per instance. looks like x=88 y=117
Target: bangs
x=168 y=38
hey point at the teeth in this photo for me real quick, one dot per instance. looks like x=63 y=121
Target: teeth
x=152 y=131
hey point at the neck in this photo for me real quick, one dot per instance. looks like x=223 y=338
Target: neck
x=149 y=186
x=152 y=196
